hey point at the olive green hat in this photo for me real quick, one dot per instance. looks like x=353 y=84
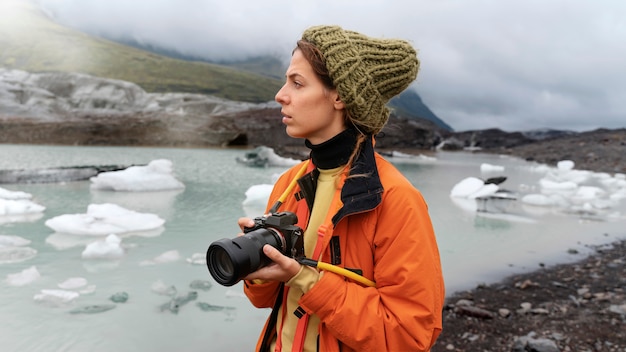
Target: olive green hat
x=367 y=72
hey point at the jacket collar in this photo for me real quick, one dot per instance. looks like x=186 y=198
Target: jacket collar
x=362 y=190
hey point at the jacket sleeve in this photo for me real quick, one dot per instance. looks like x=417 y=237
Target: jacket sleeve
x=404 y=311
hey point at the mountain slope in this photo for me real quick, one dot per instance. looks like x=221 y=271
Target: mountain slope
x=410 y=104
x=32 y=42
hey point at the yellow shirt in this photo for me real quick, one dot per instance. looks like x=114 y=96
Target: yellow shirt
x=307 y=277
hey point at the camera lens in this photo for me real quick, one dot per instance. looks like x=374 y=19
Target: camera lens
x=230 y=260
x=222 y=261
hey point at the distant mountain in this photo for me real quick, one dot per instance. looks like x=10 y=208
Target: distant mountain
x=410 y=104
x=547 y=133
x=30 y=41
x=263 y=65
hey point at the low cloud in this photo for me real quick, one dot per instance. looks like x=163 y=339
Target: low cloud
x=485 y=63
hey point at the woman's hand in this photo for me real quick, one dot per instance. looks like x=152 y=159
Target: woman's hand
x=282 y=269
x=244 y=222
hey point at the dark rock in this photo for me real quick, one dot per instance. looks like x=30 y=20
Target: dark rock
x=474 y=312
x=57 y=174
x=492 y=139
x=529 y=344
x=175 y=303
x=204 y=285
x=119 y=297
x=93 y=309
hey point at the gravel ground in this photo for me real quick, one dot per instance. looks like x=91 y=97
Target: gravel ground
x=573 y=307
x=600 y=150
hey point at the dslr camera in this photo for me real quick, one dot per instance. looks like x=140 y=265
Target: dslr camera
x=230 y=260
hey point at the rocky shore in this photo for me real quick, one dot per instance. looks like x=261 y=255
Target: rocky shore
x=574 y=307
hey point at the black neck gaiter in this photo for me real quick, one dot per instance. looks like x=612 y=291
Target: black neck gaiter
x=334 y=152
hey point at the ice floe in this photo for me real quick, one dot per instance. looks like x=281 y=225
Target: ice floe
x=104 y=219
x=158 y=175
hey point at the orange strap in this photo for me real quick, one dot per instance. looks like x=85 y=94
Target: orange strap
x=322 y=232
x=302 y=213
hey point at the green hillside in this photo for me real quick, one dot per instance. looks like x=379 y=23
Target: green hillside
x=30 y=41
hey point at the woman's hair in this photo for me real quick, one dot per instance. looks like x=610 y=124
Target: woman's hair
x=316 y=59
x=314 y=56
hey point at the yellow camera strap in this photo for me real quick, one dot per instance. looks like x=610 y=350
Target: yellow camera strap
x=290 y=188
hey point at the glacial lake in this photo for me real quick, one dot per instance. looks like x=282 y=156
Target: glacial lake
x=475 y=247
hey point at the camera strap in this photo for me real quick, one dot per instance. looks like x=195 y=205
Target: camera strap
x=324 y=234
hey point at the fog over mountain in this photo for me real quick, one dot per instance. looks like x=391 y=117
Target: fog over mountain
x=485 y=63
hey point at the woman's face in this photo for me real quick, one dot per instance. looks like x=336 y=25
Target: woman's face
x=309 y=109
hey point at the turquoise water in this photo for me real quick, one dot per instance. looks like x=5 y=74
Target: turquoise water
x=474 y=249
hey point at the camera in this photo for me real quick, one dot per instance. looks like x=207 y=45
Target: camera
x=230 y=260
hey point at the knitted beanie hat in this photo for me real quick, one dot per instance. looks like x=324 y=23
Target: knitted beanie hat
x=367 y=72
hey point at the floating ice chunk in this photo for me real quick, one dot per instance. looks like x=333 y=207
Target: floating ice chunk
x=166 y=257
x=14 y=195
x=197 y=258
x=234 y=294
x=263 y=156
x=557 y=186
x=63 y=241
x=603 y=204
x=257 y=195
x=16 y=254
x=104 y=219
x=398 y=157
x=156 y=176
x=56 y=297
x=538 y=200
x=587 y=193
x=73 y=283
x=159 y=287
x=486 y=190
x=576 y=176
x=19 y=207
x=565 y=165
x=472 y=188
x=88 y=290
x=466 y=187
x=618 y=195
x=108 y=248
x=256 y=199
x=488 y=168
x=13 y=241
x=540 y=168
x=24 y=277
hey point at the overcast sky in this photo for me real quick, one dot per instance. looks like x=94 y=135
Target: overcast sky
x=515 y=65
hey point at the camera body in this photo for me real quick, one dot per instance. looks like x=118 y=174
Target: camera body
x=285 y=224
x=230 y=260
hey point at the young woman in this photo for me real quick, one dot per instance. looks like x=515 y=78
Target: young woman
x=358 y=211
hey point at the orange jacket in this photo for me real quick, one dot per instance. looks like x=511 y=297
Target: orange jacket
x=384 y=230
